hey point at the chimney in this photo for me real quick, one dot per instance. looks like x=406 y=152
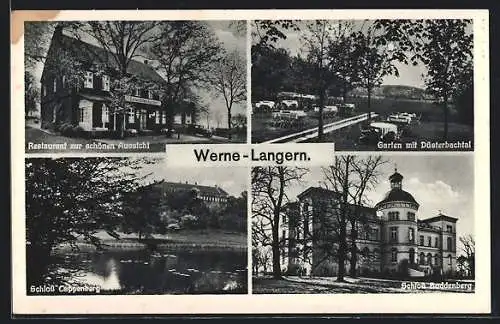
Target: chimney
x=196 y=183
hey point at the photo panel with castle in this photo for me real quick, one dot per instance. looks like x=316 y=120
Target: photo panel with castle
x=364 y=225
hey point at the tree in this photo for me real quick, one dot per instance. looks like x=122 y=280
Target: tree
x=142 y=208
x=316 y=43
x=448 y=57
x=186 y=52
x=469 y=248
x=350 y=177
x=269 y=185
x=31 y=93
x=376 y=60
x=229 y=81
x=68 y=200
x=344 y=56
x=444 y=46
x=266 y=33
x=270 y=72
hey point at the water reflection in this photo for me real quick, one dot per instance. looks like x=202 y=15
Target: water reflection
x=142 y=272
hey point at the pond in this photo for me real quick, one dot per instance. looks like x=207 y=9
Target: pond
x=146 y=272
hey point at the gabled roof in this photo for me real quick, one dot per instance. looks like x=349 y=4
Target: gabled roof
x=86 y=52
x=318 y=191
x=204 y=190
x=440 y=217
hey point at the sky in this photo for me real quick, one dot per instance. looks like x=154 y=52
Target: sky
x=234 y=180
x=437 y=182
x=408 y=75
x=231 y=38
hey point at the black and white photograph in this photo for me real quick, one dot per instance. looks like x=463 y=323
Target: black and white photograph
x=365 y=85
x=134 y=226
x=133 y=86
x=367 y=224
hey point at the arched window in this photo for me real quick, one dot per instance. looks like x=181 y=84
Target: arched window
x=429 y=259
x=394 y=255
x=436 y=260
x=421 y=258
x=412 y=256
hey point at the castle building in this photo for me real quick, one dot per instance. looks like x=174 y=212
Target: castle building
x=210 y=195
x=87 y=102
x=390 y=236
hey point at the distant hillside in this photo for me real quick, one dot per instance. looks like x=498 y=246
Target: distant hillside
x=394 y=91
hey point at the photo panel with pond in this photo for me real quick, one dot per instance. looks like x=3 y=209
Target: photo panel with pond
x=367 y=224
x=85 y=91
x=134 y=226
x=365 y=85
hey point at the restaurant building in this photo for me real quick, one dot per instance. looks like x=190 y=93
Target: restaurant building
x=86 y=102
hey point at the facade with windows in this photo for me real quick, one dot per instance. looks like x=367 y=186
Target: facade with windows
x=86 y=102
x=212 y=196
x=390 y=238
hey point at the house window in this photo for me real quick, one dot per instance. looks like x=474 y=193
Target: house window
x=157 y=117
x=449 y=244
x=411 y=216
x=89 y=80
x=375 y=233
x=105 y=114
x=150 y=94
x=163 y=117
x=449 y=228
x=394 y=234
x=411 y=235
x=429 y=259
x=421 y=258
x=393 y=216
x=64 y=81
x=284 y=219
x=421 y=240
x=436 y=242
x=55 y=85
x=449 y=259
x=105 y=82
x=84 y=114
x=429 y=241
x=394 y=255
x=131 y=116
x=284 y=234
x=136 y=92
x=436 y=260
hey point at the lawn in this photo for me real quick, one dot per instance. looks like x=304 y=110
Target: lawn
x=212 y=237
x=328 y=285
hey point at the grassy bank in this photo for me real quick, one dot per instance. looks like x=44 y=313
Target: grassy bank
x=179 y=240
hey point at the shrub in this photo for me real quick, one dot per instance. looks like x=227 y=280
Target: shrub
x=78 y=130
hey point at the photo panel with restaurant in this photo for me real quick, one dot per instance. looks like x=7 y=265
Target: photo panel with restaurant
x=133 y=86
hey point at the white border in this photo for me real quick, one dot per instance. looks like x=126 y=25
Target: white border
x=479 y=302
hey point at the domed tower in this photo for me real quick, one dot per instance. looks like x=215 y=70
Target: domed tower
x=398 y=211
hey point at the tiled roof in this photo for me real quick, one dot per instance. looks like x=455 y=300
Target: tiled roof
x=85 y=51
x=204 y=190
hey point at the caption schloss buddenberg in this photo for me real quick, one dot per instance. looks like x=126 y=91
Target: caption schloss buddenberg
x=207 y=155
